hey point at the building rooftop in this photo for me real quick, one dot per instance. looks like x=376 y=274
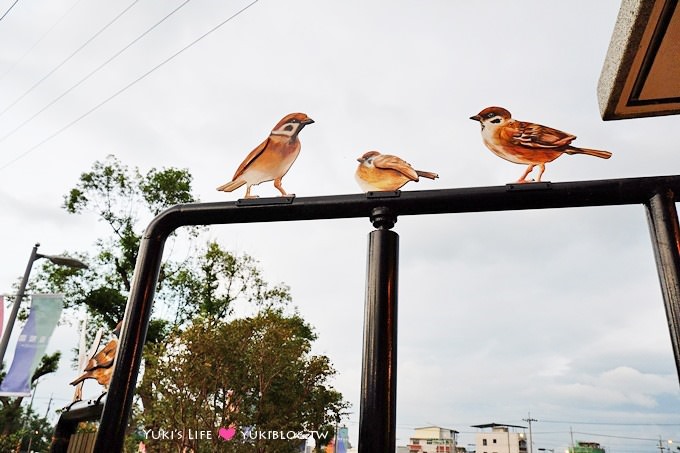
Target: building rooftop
x=497 y=425
x=436 y=427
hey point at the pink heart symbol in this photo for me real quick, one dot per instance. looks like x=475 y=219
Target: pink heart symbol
x=227 y=433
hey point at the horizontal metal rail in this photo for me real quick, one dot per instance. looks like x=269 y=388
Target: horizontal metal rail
x=477 y=199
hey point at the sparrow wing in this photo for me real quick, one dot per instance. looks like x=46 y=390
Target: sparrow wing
x=104 y=358
x=395 y=163
x=536 y=136
x=250 y=158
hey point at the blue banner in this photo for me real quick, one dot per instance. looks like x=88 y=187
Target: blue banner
x=42 y=319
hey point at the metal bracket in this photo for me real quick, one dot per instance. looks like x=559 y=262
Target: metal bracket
x=288 y=199
x=515 y=187
x=383 y=194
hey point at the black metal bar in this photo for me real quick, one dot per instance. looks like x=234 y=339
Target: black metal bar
x=498 y=198
x=475 y=199
x=665 y=231
x=378 y=411
x=114 y=420
x=69 y=419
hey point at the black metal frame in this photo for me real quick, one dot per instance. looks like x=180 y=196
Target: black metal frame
x=71 y=416
x=378 y=394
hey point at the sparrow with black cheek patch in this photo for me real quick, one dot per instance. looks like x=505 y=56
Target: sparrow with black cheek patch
x=526 y=143
x=273 y=158
x=383 y=172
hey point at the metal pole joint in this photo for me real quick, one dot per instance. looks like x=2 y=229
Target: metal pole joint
x=383 y=218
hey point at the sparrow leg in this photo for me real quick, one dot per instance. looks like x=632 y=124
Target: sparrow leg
x=523 y=179
x=248 y=193
x=277 y=184
x=541 y=169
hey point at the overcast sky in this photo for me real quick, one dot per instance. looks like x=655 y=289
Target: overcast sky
x=556 y=313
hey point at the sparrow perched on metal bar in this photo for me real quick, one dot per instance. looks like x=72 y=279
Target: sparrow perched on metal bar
x=273 y=158
x=383 y=172
x=526 y=143
x=100 y=366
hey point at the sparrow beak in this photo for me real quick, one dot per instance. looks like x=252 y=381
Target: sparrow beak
x=476 y=118
x=360 y=160
x=306 y=122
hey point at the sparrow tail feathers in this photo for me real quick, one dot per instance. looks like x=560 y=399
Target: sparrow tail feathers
x=589 y=152
x=427 y=174
x=79 y=379
x=230 y=186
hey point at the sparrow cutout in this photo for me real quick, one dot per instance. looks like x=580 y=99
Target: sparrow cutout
x=272 y=159
x=383 y=172
x=527 y=143
x=84 y=355
x=100 y=366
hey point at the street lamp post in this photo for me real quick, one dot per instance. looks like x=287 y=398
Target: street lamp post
x=56 y=259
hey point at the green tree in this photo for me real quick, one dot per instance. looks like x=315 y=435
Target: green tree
x=254 y=372
x=208 y=288
x=35 y=431
x=124 y=200
x=194 y=320
x=19 y=424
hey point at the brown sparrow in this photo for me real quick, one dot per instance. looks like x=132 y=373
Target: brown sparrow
x=100 y=366
x=383 y=172
x=273 y=158
x=526 y=143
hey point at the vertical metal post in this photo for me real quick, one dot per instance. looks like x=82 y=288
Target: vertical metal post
x=665 y=231
x=118 y=406
x=377 y=421
x=17 y=303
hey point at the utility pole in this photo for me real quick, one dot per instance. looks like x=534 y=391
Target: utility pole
x=531 y=437
x=661 y=447
x=49 y=404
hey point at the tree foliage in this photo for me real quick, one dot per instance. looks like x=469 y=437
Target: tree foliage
x=19 y=425
x=254 y=373
x=32 y=430
x=224 y=348
x=124 y=199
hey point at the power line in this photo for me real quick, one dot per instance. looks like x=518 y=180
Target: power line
x=92 y=38
x=126 y=87
x=97 y=69
x=612 y=423
x=9 y=9
x=35 y=44
x=617 y=437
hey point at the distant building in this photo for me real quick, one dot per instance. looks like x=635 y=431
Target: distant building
x=500 y=439
x=586 y=447
x=433 y=439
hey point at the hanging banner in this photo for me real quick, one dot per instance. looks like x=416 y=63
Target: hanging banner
x=42 y=319
x=2 y=313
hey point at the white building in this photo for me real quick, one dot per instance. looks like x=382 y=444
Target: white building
x=500 y=439
x=433 y=439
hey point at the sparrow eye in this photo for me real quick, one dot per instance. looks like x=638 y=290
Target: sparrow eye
x=490 y=115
